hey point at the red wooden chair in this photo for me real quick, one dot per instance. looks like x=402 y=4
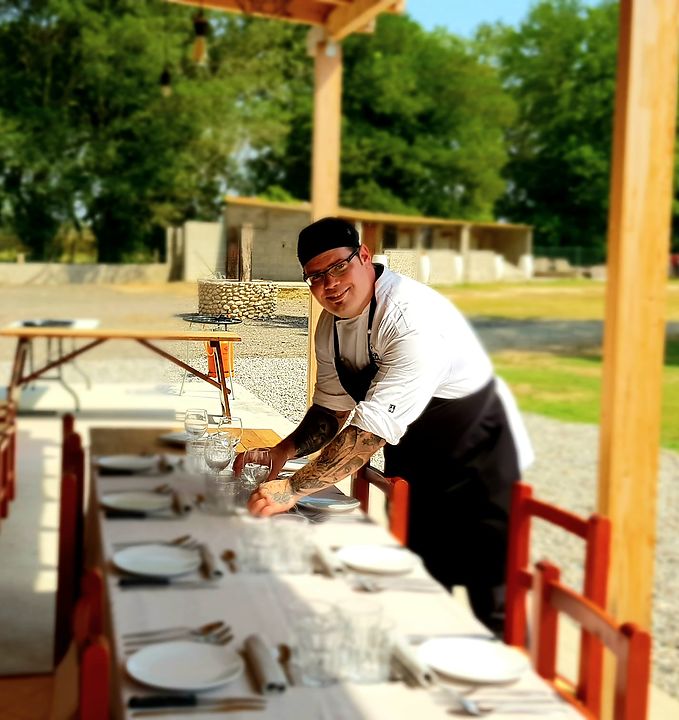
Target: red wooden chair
x=595 y=531
x=397 y=492
x=7 y=456
x=630 y=645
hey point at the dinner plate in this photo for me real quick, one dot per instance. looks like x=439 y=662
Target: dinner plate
x=175 y=438
x=381 y=559
x=473 y=659
x=329 y=505
x=295 y=464
x=185 y=666
x=157 y=560
x=137 y=501
x=128 y=463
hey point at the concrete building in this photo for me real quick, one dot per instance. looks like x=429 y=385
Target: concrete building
x=263 y=234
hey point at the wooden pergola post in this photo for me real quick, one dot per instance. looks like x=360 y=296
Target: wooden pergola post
x=638 y=247
x=325 y=166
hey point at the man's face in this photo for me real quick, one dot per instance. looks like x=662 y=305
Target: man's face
x=345 y=294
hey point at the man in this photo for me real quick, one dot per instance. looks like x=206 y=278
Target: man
x=421 y=386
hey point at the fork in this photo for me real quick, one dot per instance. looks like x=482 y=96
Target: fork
x=185 y=541
x=200 y=630
x=220 y=637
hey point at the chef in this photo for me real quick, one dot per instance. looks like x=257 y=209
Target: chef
x=408 y=365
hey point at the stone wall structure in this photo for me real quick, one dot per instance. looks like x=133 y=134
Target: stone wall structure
x=255 y=300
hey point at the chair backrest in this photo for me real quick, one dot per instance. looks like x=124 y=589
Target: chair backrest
x=398 y=497
x=73 y=461
x=227 y=352
x=85 y=682
x=68 y=578
x=630 y=644
x=595 y=531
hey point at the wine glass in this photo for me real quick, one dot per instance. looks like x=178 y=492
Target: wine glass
x=219 y=453
x=231 y=426
x=195 y=422
x=257 y=470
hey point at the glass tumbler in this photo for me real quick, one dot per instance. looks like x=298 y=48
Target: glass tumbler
x=316 y=641
x=221 y=492
x=294 y=547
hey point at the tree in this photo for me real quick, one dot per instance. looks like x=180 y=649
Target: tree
x=423 y=125
x=559 y=66
x=93 y=143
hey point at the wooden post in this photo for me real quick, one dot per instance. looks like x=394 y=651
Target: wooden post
x=465 y=244
x=369 y=237
x=247 y=235
x=325 y=163
x=232 y=253
x=638 y=246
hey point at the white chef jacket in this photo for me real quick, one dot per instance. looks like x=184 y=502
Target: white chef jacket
x=424 y=348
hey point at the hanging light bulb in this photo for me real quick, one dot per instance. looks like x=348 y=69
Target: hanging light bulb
x=166 y=82
x=200 y=27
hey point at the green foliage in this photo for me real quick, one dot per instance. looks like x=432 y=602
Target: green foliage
x=559 y=66
x=88 y=139
x=423 y=124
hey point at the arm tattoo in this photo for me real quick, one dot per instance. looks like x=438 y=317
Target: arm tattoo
x=344 y=455
x=318 y=427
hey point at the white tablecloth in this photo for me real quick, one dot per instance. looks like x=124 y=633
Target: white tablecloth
x=257 y=603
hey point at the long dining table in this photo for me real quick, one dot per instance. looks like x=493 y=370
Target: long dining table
x=261 y=603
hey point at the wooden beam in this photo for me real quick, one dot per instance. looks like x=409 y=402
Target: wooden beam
x=638 y=247
x=325 y=161
x=307 y=12
x=351 y=18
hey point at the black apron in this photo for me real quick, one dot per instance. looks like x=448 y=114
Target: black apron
x=460 y=461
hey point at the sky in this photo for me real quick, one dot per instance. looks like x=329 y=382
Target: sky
x=462 y=17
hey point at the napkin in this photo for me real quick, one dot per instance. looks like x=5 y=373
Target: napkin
x=406 y=656
x=268 y=673
x=208 y=562
x=329 y=562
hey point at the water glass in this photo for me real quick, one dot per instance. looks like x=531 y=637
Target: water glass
x=232 y=427
x=195 y=422
x=294 y=546
x=195 y=456
x=221 y=494
x=316 y=641
x=255 y=544
x=219 y=453
x=367 y=642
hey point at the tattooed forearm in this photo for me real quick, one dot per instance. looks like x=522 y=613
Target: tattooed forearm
x=345 y=454
x=317 y=428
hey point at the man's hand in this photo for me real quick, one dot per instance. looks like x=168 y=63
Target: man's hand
x=272 y=497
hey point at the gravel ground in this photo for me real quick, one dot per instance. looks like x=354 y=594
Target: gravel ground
x=271 y=363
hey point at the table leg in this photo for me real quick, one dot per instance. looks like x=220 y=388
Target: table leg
x=23 y=345
x=221 y=376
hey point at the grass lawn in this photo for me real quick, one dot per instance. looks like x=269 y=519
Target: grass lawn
x=566 y=387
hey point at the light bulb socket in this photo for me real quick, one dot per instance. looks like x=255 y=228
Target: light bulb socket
x=201 y=26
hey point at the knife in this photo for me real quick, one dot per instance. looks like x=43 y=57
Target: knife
x=189 y=700
x=153 y=582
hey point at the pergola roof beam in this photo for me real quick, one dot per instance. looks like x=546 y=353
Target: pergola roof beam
x=351 y=18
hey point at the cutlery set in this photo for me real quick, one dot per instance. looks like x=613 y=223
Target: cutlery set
x=158 y=705
x=215 y=633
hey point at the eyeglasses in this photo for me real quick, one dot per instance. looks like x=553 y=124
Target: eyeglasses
x=339 y=268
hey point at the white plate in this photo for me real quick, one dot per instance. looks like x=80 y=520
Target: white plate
x=329 y=505
x=185 y=666
x=128 y=463
x=296 y=464
x=157 y=560
x=175 y=438
x=137 y=501
x=380 y=559
x=473 y=659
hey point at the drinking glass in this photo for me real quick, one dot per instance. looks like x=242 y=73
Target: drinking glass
x=294 y=546
x=195 y=422
x=255 y=544
x=219 y=453
x=220 y=493
x=317 y=641
x=195 y=456
x=231 y=426
x=367 y=642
